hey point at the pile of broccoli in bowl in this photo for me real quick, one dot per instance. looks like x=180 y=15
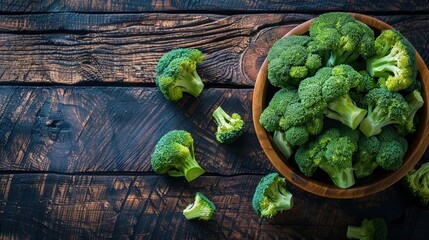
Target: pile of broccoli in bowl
x=345 y=99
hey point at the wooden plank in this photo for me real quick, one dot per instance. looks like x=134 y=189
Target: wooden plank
x=121 y=207
x=114 y=6
x=70 y=48
x=105 y=129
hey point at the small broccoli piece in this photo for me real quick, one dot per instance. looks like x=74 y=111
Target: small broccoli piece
x=375 y=229
x=394 y=62
x=392 y=149
x=417 y=181
x=282 y=144
x=384 y=108
x=290 y=60
x=415 y=102
x=365 y=163
x=271 y=196
x=174 y=155
x=229 y=128
x=344 y=37
x=176 y=73
x=202 y=208
x=294 y=115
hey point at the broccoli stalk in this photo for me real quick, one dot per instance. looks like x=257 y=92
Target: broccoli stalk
x=282 y=144
x=190 y=82
x=345 y=111
x=202 y=208
x=174 y=155
x=375 y=229
x=417 y=182
x=271 y=196
x=229 y=128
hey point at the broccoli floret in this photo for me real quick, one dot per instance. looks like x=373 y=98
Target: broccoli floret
x=271 y=196
x=174 y=155
x=417 y=181
x=375 y=229
x=282 y=144
x=368 y=83
x=365 y=163
x=344 y=37
x=202 y=208
x=294 y=115
x=384 y=108
x=176 y=72
x=291 y=60
x=392 y=149
x=394 y=62
x=229 y=128
x=271 y=115
x=415 y=102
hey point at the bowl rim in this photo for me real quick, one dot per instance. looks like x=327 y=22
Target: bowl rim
x=324 y=189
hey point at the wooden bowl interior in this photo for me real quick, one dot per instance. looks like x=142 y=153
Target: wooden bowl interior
x=320 y=184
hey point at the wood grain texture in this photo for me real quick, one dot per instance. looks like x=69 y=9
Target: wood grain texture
x=106 y=129
x=70 y=48
x=113 y=6
x=142 y=207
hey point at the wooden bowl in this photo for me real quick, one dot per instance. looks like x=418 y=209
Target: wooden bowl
x=322 y=185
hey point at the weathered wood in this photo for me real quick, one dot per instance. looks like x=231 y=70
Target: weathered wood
x=114 y=6
x=70 y=48
x=105 y=129
x=100 y=207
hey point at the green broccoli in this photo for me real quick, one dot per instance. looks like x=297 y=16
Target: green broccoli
x=174 y=155
x=365 y=155
x=415 y=102
x=291 y=60
x=202 y=208
x=344 y=37
x=271 y=196
x=176 y=73
x=229 y=127
x=282 y=144
x=392 y=149
x=375 y=229
x=417 y=181
x=384 y=108
x=394 y=62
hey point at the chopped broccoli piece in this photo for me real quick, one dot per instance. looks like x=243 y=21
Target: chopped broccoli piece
x=271 y=196
x=282 y=144
x=176 y=73
x=201 y=209
x=384 y=108
x=392 y=149
x=174 y=155
x=366 y=153
x=417 y=181
x=394 y=62
x=229 y=128
x=375 y=229
x=415 y=102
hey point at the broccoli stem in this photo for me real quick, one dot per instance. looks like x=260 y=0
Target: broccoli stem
x=283 y=145
x=364 y=168
x=189 y=168
x=382 y=66
x=342 y=177
x=345 y=111
x=281 y=199
x=221 y=117
x=339 y=56
x=354 y=232
x=191 y=83
x=194 y=211
x=374 y=122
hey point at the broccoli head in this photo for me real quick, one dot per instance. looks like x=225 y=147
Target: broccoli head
x=365 y=162
x=417 y=181
x=174 y=155
x=201 y=209
x=176 y=72
x=384 y=108
x=271 y=196
x=392 y=149
x=229 y=127
x=394 y=62
x=374 y=229
x=344 y=37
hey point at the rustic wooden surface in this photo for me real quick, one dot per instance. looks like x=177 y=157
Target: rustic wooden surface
x=80 y=114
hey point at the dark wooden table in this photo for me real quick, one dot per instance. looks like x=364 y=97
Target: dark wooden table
x=80 y=115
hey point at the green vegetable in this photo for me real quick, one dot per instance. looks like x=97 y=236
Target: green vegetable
x=366 y=153
x=394 y=62
x=375 y=229
x=229 y=127
x=174 y=155
x=417 y=181
x=415 y=102
x=271 y=196
x=201 y=209
x=392 y=149
x=176 y=73
x=345 y=38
